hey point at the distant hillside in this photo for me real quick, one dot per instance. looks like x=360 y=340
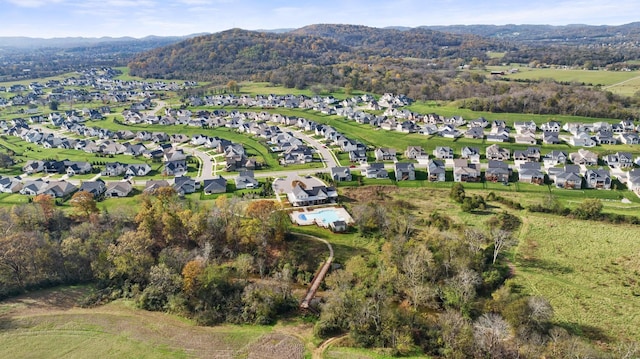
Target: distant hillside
x=241 y=53
x=569 y=34
x=73 y=42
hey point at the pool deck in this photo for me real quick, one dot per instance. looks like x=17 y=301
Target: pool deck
x=342 y=214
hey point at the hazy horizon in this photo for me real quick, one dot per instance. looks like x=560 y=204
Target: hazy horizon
x=140 y=18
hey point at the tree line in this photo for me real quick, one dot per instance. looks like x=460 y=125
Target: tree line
x=432 y=286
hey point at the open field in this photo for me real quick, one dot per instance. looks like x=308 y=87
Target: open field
x=589 y=77
x=588 y=270
x=49 y=324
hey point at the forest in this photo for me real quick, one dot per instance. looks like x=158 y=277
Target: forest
x=434 y=287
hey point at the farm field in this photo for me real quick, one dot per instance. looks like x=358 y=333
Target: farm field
x=49 y=324
x=589 y=77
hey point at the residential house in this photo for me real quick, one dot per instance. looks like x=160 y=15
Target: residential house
x=246 y=180
x=34 y=187
x=619 y=160
x=554 y=158
x=376 y=170
x=551 y=126
x=137 y=170
x=300 y=196
x=114 y=169
x=385 y=154
x=77 y=168
x=584 y=157
x=495 y=152
x=582 y=139
x=415 y=152
x=436 y=171
x=152 y=185
x=471 y=153
x=475 y=133
x=59 y=189
x=526 y=139
x=405 y=171
x=10 y=185
x=497 y=171
x=340 y=174
x=463 y=171
x=96 y=188
x=358 y=156
x=214 y=185
x=185 y=185
x=605 y=138
x=630 y=138
x=633 y=181
x=550 y=138
x=530 y=173
x=567 y=177
x=443 y=153
x=531 y=154
x=597 y=178
x=118 y=189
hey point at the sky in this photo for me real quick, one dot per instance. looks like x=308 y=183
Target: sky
x=139 y=18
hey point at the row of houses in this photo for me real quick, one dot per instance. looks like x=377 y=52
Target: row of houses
x=567 y=176
x=101 y=189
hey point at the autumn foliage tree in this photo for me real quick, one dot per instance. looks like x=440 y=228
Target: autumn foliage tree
x=84 y=204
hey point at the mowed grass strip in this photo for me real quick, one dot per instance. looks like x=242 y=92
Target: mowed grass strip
x=40 y=325
x=588 y=270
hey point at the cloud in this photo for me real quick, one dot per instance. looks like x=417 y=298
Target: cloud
x=33 y=3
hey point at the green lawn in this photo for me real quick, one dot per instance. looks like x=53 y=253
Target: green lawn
x=47 y=324
x=588 y=270
x=593 y=77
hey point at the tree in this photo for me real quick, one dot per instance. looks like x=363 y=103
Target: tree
x=130 y=257
x=457 y=192
x=491 y=334
x=84 y=204
x=590 y=208
x=233 y=86
x=416 y=267
x=53 y=105
x=502 y=240
x=47 y=205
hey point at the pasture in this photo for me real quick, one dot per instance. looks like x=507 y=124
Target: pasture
x=588 y=270
x=50 y=324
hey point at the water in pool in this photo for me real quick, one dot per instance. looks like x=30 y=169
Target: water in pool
x=326 y=216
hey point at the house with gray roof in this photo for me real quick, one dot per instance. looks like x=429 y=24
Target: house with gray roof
x=246 y=180
x=340 y=174
x=185 y=185
x=300 y=196
x=405 y=171
x=376 y=170
x=96 y=188
x=436 y=171
x=463 y=171
x=530 y=173
x=597 y=178
x=118 y=189
x=214 y=185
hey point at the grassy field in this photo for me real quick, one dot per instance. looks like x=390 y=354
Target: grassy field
x=588 y=270
x=592 y=77
x=49 y=324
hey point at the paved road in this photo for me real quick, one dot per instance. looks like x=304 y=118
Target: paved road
x=328 y=157
x=207 y=165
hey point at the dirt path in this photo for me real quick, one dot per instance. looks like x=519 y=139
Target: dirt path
x=318 y=353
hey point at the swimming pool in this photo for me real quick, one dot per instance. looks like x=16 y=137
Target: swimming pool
x=325 y=216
